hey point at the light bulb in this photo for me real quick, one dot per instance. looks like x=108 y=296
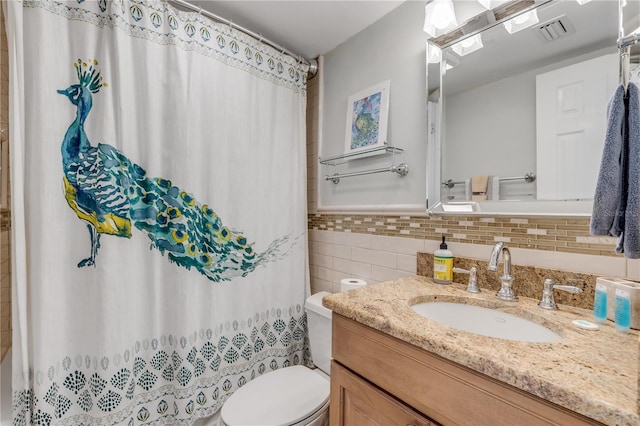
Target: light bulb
x=521 y=21
x=441 y=18
x=468 y=45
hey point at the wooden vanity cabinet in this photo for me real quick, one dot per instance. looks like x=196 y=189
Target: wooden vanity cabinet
x=377 y=379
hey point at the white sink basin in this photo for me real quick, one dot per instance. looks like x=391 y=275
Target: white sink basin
x=486 y=322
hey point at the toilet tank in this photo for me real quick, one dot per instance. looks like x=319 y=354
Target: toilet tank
x=319 y=325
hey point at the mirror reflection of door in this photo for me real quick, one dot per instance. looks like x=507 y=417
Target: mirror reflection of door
x=570 y=126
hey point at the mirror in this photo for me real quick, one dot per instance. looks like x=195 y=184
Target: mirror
x=521 y=121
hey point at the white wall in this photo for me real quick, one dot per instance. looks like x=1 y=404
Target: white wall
x=392 y=48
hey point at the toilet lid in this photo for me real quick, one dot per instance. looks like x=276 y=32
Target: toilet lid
x=279 y=398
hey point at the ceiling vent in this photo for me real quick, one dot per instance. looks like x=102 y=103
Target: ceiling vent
x=556 y=28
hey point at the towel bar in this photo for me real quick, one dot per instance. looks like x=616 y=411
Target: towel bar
x=401 y=169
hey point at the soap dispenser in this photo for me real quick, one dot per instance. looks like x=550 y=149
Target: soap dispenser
x=443 y=264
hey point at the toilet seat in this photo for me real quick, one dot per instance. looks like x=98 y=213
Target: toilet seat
x=283 y=397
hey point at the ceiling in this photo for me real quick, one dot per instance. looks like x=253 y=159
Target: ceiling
x=306 y=27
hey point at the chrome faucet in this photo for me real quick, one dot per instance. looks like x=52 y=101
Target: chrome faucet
x=547 y=301
x=506 y=292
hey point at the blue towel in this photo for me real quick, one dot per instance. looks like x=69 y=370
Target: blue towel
x=605 y=219
x=629 y=241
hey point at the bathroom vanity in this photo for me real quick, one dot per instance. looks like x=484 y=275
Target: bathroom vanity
x=394 y=366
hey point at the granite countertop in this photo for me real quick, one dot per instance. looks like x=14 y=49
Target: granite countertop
x=594 y=373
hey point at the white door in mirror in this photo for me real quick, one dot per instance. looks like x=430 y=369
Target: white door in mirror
x=570 y=135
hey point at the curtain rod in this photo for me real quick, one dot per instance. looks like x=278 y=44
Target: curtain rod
x=313 y=64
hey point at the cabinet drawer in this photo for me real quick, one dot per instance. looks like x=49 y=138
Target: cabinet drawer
x=445 y=391
x=356 y=402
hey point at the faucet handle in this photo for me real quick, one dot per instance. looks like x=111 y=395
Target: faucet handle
x=472 y=287
x=548 y=301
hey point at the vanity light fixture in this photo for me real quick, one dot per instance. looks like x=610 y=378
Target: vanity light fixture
x=490 y=4
x=522 y=21
x=439 y=17
x=581 y=2
x=468 y=45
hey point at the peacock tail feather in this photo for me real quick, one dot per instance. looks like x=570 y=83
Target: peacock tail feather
x=191 y=234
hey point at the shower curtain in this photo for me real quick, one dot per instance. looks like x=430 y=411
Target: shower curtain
x=159 y=215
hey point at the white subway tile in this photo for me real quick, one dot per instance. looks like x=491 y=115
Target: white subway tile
x=633 y=269
x=350 y=268
x=334 y=250
x=352 y=239
x=385 y=274
x=321 y=236
x=314 y=247
x=330 y=275
x=431 y=245
x=321 y=260
x=574 y=262
x=397 y=244
x=375 y=257
x=318 y=285
x=407 y=263
x=313 y=270
x=474 y=251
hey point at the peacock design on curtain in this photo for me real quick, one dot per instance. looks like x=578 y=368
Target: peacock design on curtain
x=111 y=193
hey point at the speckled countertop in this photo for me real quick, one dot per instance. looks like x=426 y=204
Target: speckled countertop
x=594 y=373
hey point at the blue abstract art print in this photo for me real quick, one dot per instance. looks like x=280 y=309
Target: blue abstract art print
x=367 y=113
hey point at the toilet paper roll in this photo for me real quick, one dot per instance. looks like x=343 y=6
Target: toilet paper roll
x=351 y=283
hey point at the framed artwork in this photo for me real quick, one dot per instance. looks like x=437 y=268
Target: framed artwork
x=367 y=114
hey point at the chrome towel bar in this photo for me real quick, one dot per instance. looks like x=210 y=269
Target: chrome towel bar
x=401 y=169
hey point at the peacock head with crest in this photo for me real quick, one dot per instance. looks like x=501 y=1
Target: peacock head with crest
x=90 y=82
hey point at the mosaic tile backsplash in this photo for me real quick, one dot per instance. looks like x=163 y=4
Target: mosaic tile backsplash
x=569 y=235
x=528 y=283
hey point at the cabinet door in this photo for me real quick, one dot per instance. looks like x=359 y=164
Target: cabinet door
x=356 y=402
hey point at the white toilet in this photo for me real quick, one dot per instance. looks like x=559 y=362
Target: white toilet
x=292 y=396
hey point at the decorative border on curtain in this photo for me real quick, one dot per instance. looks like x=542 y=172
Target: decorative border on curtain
x=184 y=378
x=159 y=22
